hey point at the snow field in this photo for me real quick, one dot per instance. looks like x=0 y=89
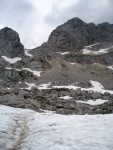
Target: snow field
x=52 y=131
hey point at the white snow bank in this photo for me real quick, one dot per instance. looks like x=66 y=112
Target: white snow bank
x=97 y=87
x=110 y=67
x=101 y=51
x=94 y=102
x=40 y=87
x=72 y=63
x=30 y=85
x=40 y=131
x=27 y=53
x=90 y=46
x=44 y=86
x=86 y=51
x=36 y=73
x=63 y=53
x=66 y=97
x=11 y=60
x=12 y=68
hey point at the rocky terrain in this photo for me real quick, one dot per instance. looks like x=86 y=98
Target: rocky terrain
x=72 y=73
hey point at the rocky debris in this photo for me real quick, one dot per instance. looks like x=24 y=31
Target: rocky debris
x=12 y=77
x=10 y=45
x=50 y=100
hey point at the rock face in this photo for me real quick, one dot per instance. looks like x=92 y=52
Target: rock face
x=75 y=34
x=10 y=45
x=24 y=83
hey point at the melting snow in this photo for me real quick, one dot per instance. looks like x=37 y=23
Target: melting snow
x=27 y=53
x=26 y=129
x=110 y=67
x=44 y=86
x=30 y=85
x=13 y=68
x=11 y=60
x=63 y=53
x=94 y=102
x=101 y=51
x=72 y=63
x=66 y=97
x=40 y=87
x=97 y=87
x=36 y=73
x=90 y=46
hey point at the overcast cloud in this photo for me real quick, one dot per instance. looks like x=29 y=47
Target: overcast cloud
x=35 y=19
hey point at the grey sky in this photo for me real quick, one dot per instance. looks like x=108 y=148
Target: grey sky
x=35 y=19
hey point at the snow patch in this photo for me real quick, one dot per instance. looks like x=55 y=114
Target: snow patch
x=101 y=51
x=90 y=46
x=40 y=87
x=44 y=86
x=110 y=67
x=36 y=73
x=94 y=102
x=63 y=53
x=27 y=53
x=66 y=97
x=97 y=87
x=11 y=60
x=30 y=85
x=72 y=63
x=12 y=68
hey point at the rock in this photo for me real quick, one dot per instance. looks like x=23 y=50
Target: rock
x=105 y=97
x=96 y=95
x=10 y=45
x=66 y=36
x=71 y=106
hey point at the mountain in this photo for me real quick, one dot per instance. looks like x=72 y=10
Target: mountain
x=71 y=73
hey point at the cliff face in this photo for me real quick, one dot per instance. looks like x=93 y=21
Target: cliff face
x=75 y=34
x=10 y=45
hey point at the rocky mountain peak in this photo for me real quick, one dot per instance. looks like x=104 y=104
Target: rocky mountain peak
x=75 y=34
x=75 y=22
x=10 y=45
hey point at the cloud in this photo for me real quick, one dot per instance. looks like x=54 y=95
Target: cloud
x=89 y=10
x=34 y=20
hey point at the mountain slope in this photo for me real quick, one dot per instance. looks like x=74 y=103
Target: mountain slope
x=76 y=55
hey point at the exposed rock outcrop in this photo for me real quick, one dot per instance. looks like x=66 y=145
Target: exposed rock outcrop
x=10 y=45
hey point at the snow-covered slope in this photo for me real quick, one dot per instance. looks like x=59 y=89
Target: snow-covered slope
x=27 y=130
